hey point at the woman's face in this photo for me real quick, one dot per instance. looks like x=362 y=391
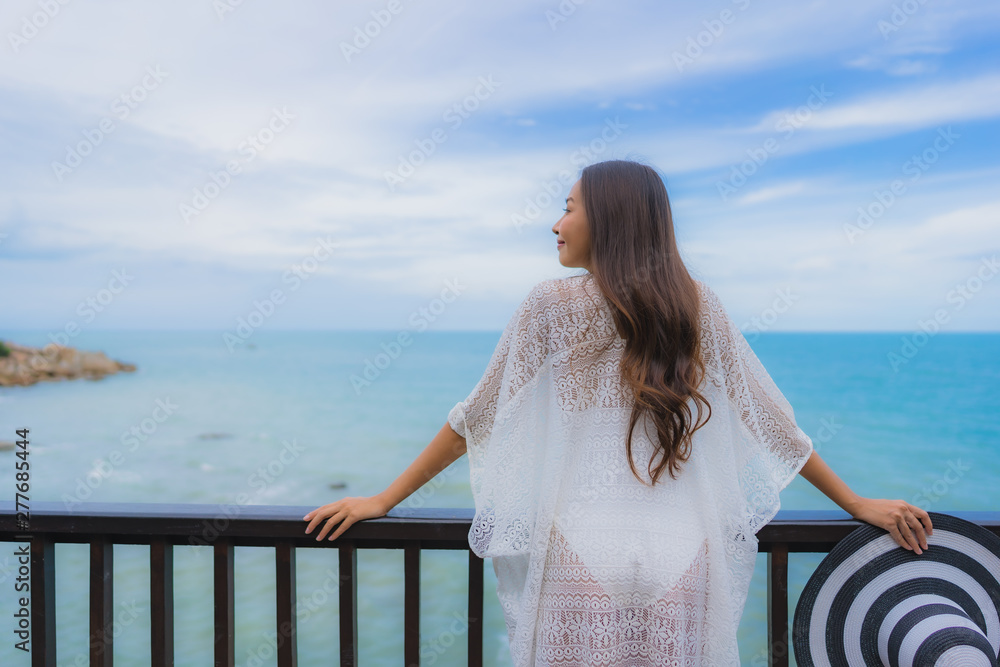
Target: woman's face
x=572 y=232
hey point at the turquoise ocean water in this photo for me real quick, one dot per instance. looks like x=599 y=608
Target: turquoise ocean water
x=889 y=432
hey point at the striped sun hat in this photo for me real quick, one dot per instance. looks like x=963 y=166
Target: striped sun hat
x=873 y=603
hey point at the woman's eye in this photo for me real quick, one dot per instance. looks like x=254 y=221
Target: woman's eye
x=566 y=209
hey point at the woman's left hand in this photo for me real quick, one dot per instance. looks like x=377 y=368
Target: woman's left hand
x=908 y=524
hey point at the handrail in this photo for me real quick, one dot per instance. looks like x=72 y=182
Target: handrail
x=224 y=527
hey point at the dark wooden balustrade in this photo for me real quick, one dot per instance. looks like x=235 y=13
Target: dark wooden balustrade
x=161 y=526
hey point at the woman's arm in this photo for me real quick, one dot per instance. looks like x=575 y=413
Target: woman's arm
x=442 y=451
x=905 y=522
x=823 y=478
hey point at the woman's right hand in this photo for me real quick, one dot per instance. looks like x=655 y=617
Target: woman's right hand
x=346 y=512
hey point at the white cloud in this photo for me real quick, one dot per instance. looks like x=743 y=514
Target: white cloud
x=957 y=234
x=897 y=111
x=922 y=106
x=911 y=67
x=324 y=175
x=894 y=66
x=773 y=192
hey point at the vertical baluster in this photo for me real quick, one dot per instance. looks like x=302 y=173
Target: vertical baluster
x=475 y=610
x=411 y=604
x=161 y=602
x=348 y=603
x=43 y=602
x=225 y=635
x=777 y=606
x=284 y=564
x=102 y=600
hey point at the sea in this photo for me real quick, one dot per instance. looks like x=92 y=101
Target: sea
x=895 y=415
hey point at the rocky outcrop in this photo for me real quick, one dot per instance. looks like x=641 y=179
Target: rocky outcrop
x=25 y=365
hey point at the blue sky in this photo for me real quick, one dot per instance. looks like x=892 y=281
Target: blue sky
x=772 y=123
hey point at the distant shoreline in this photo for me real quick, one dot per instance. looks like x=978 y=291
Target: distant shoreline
x=22 y=366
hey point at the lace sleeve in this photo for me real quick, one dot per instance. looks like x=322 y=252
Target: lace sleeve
x=522 y=348
x=777 y=448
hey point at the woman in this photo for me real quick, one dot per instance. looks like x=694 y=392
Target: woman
x=625 y=445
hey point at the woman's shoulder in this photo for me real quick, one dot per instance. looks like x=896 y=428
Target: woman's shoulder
x=703 y=287
x=581 y=293
x=709 y=299
x=570 y=310
x=571 y=293
x=565 y=285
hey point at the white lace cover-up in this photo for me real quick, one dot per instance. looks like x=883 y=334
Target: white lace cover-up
x=593 y=567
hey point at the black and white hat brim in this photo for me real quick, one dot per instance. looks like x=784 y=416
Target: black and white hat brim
x=871 y=602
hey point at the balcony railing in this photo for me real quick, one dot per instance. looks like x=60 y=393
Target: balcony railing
x=161 y=526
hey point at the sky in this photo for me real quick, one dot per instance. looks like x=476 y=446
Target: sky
x=831 y=166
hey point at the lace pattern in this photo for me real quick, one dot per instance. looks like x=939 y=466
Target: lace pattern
x=593 y=567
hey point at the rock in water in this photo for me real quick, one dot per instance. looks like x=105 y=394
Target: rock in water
x=24 y=365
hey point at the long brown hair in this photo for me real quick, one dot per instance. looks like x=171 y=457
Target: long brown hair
x=654 y=301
